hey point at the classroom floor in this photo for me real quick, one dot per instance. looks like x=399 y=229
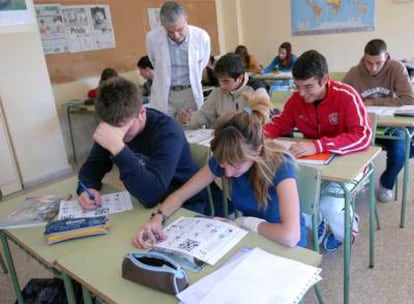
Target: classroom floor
x=389 y=282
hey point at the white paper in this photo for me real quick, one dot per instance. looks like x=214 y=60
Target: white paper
x=102 y=30
x=382 y=111
x=154 y=17
x=196 y=292
x=259 y=278
x=199 y=136
x=51 y=28
x=88 y=27
x=206 y=239
x=110 y=203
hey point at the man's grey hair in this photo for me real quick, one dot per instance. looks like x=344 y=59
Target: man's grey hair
x=171 y=12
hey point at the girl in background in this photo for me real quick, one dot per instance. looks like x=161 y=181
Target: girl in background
x=284 y=61
x=252 y=65
x=106 y=74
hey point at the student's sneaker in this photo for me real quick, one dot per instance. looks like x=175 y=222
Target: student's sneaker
x=384 y=195
x=322 y=230
x=330 y=243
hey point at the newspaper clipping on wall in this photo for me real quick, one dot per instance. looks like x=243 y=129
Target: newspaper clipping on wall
x=74 y=28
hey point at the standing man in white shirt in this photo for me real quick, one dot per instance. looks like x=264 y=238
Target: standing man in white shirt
x=179 y=52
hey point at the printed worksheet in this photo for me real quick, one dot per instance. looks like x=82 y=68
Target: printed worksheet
x=110 y=203
x=205 y=239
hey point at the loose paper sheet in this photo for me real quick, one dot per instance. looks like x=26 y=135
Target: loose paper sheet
x=110 y=203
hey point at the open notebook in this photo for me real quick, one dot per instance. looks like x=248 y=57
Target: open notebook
x=315 y=159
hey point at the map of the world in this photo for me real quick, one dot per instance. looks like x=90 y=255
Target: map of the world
x=311 y=17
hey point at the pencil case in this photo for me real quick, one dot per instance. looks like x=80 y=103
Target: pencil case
x=68 y=229
x=154 y=270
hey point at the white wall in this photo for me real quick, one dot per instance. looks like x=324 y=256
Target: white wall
x=265 y=24
x=29 y=106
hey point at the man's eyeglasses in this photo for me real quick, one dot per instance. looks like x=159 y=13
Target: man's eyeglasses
x=307 y=88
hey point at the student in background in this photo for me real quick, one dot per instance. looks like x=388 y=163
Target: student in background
x=383 y=81
x=261 y=178
x=209 y=77
x=146 y=70
x=179 y=52
x=148 y=147
x=106 y=74
x=250 y=61
x=284 y=61
x=333 y=118
x=234 y=83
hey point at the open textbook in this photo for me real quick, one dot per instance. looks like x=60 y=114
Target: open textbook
x=34 y=211
x=204 y=239
x=315 y=159
x=110 y=203
x=255 y=276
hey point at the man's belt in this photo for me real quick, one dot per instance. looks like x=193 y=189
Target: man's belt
x=180 y=87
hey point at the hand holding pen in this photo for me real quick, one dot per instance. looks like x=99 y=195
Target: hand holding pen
x=89 y=198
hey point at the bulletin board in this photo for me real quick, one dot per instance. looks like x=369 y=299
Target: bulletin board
x=130 y=23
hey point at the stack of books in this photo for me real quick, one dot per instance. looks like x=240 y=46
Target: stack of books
x=68 y=229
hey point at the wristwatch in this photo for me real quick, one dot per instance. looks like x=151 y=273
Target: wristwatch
x=163 y=216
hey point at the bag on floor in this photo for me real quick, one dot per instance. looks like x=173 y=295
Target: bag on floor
x=49 y=291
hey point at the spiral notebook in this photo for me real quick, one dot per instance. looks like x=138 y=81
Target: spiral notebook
x=257 y=277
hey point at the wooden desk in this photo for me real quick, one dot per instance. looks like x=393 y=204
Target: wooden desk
x=406 y=124
x=76 y=106
x=344 y=170
x=99 y=270
x=96 y=262
x=31 y=239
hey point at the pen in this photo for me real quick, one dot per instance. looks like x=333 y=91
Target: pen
x=90 y=194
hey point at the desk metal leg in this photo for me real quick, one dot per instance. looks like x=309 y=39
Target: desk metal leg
x=10 y=265
x=347 y=243
x=405 y=177
x=87 y=298
x=68 y=109
x=70 y=294
x=372 y=216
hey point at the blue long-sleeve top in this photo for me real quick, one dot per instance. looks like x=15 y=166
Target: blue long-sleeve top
x=281 y=67
x=151 y=166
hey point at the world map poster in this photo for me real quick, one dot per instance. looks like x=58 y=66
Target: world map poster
x=310 y=17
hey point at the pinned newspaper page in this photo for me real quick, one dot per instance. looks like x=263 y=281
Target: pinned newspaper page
x=51 y=28
x=78 y=28
x=110 y=203
x=154 y=17
x=102 y=30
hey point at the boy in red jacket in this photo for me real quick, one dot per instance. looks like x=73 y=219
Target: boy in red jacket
x=333 y=116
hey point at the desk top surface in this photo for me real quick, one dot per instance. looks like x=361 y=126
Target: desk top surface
x=96 y=261
x=395 y=121
x=31 y=239
x=98 y=266
x=346 y=168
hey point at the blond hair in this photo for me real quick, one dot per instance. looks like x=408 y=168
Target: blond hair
x=238 y=137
